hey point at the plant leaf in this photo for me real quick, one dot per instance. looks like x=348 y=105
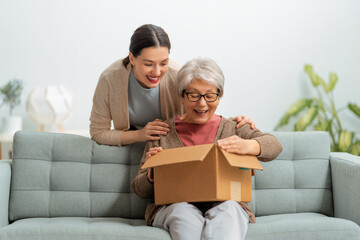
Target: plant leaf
x=293 y=110
x=324 y=84
x=298 y=106
x=345 y=140
x=355 y=149
x=354 y=108
x=11 y=92
x=307 y=119
x=313 y=77
x=322 y=126
x=332 y=81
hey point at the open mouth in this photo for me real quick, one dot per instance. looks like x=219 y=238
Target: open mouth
x=201 y=113
x=153 y=79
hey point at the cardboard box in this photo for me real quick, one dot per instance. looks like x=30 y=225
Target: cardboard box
x=201 y=173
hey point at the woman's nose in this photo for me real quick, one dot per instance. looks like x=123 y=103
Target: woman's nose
x=157 y=70
x=202 y=101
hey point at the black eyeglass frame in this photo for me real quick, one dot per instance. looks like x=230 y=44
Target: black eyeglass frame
x=200 y=96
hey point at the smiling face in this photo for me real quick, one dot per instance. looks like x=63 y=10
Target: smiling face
x=201 y=111
x=150 y=66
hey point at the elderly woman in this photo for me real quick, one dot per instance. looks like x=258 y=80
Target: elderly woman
x=201 y=85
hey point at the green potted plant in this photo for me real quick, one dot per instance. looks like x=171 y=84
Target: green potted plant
x=10 y=94
x=320 y=114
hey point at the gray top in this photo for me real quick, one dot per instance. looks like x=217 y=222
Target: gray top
x=144 y=103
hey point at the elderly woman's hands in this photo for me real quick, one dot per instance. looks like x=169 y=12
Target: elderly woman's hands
x=150 y=153
x=235 y=144
x=242 y=120
x=152 y=130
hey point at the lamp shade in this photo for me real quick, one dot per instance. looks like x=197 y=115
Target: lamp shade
x=49 y=106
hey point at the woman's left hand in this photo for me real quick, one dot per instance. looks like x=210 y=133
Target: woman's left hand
x=237 y=145
x=242 y=120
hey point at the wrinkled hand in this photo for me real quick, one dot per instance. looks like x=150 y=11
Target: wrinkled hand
x=150 y=153
x=235 y=144
x=242 y=120
x=152 y=130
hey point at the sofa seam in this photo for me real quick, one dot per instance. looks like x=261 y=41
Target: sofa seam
x=303 y=159
x=91 y=235
x=91 y=168
x=293 y=166
x=38 y=190
x=51 y=166
x=53 y=160
x=301 y=231
x=294 y=189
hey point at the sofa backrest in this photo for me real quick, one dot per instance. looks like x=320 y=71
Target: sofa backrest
x=58 y=175
x=298 y=180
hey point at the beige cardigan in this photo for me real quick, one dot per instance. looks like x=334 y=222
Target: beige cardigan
x=110 y=102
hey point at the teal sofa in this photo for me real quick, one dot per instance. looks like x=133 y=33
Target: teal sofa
x=62 y=186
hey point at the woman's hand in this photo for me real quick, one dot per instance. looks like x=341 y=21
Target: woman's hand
x=235 y=144
x=149 y=154
x=242 y=120
x=152 y=130
x=153 y=151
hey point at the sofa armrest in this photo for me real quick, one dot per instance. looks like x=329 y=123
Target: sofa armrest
x=5 y=176
x=345 y=171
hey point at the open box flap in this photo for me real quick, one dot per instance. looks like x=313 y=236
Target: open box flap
x=243 y=161
x=178 y=155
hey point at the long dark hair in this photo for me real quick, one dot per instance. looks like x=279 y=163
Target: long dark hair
x=147 y=35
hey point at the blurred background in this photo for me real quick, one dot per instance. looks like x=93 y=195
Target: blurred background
x=261 y=45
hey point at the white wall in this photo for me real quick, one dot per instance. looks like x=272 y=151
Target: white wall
x=261 y=45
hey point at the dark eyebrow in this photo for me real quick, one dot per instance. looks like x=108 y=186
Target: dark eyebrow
x=147 y=60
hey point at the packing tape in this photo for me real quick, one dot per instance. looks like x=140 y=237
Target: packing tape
x=235 y=191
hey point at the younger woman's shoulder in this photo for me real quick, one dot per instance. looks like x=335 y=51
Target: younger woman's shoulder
x=116 y=69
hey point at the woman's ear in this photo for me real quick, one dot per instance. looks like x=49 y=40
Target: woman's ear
x=182 y=101
x=131 y=58
x=182 y=98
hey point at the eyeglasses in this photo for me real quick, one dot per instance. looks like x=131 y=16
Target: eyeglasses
x=195 y=97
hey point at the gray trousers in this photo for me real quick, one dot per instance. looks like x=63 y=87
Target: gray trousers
x=186 y=222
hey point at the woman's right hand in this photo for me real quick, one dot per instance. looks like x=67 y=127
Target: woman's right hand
x=153 y=130
x=150 y=153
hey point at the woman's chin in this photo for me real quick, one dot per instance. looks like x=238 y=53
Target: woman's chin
x=201 y=120
x=152 y=84
x=195 y=118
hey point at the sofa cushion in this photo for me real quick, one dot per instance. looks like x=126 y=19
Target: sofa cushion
x=64 y=175
x=298 y=180
x=79 y=228
x=302 y=226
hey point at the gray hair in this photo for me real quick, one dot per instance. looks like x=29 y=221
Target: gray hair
x=200 y=68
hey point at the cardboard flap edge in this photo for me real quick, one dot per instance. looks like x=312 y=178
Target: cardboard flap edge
x=243 y=161
x=178 y=155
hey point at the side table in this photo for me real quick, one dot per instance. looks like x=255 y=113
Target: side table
x=6 y=141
